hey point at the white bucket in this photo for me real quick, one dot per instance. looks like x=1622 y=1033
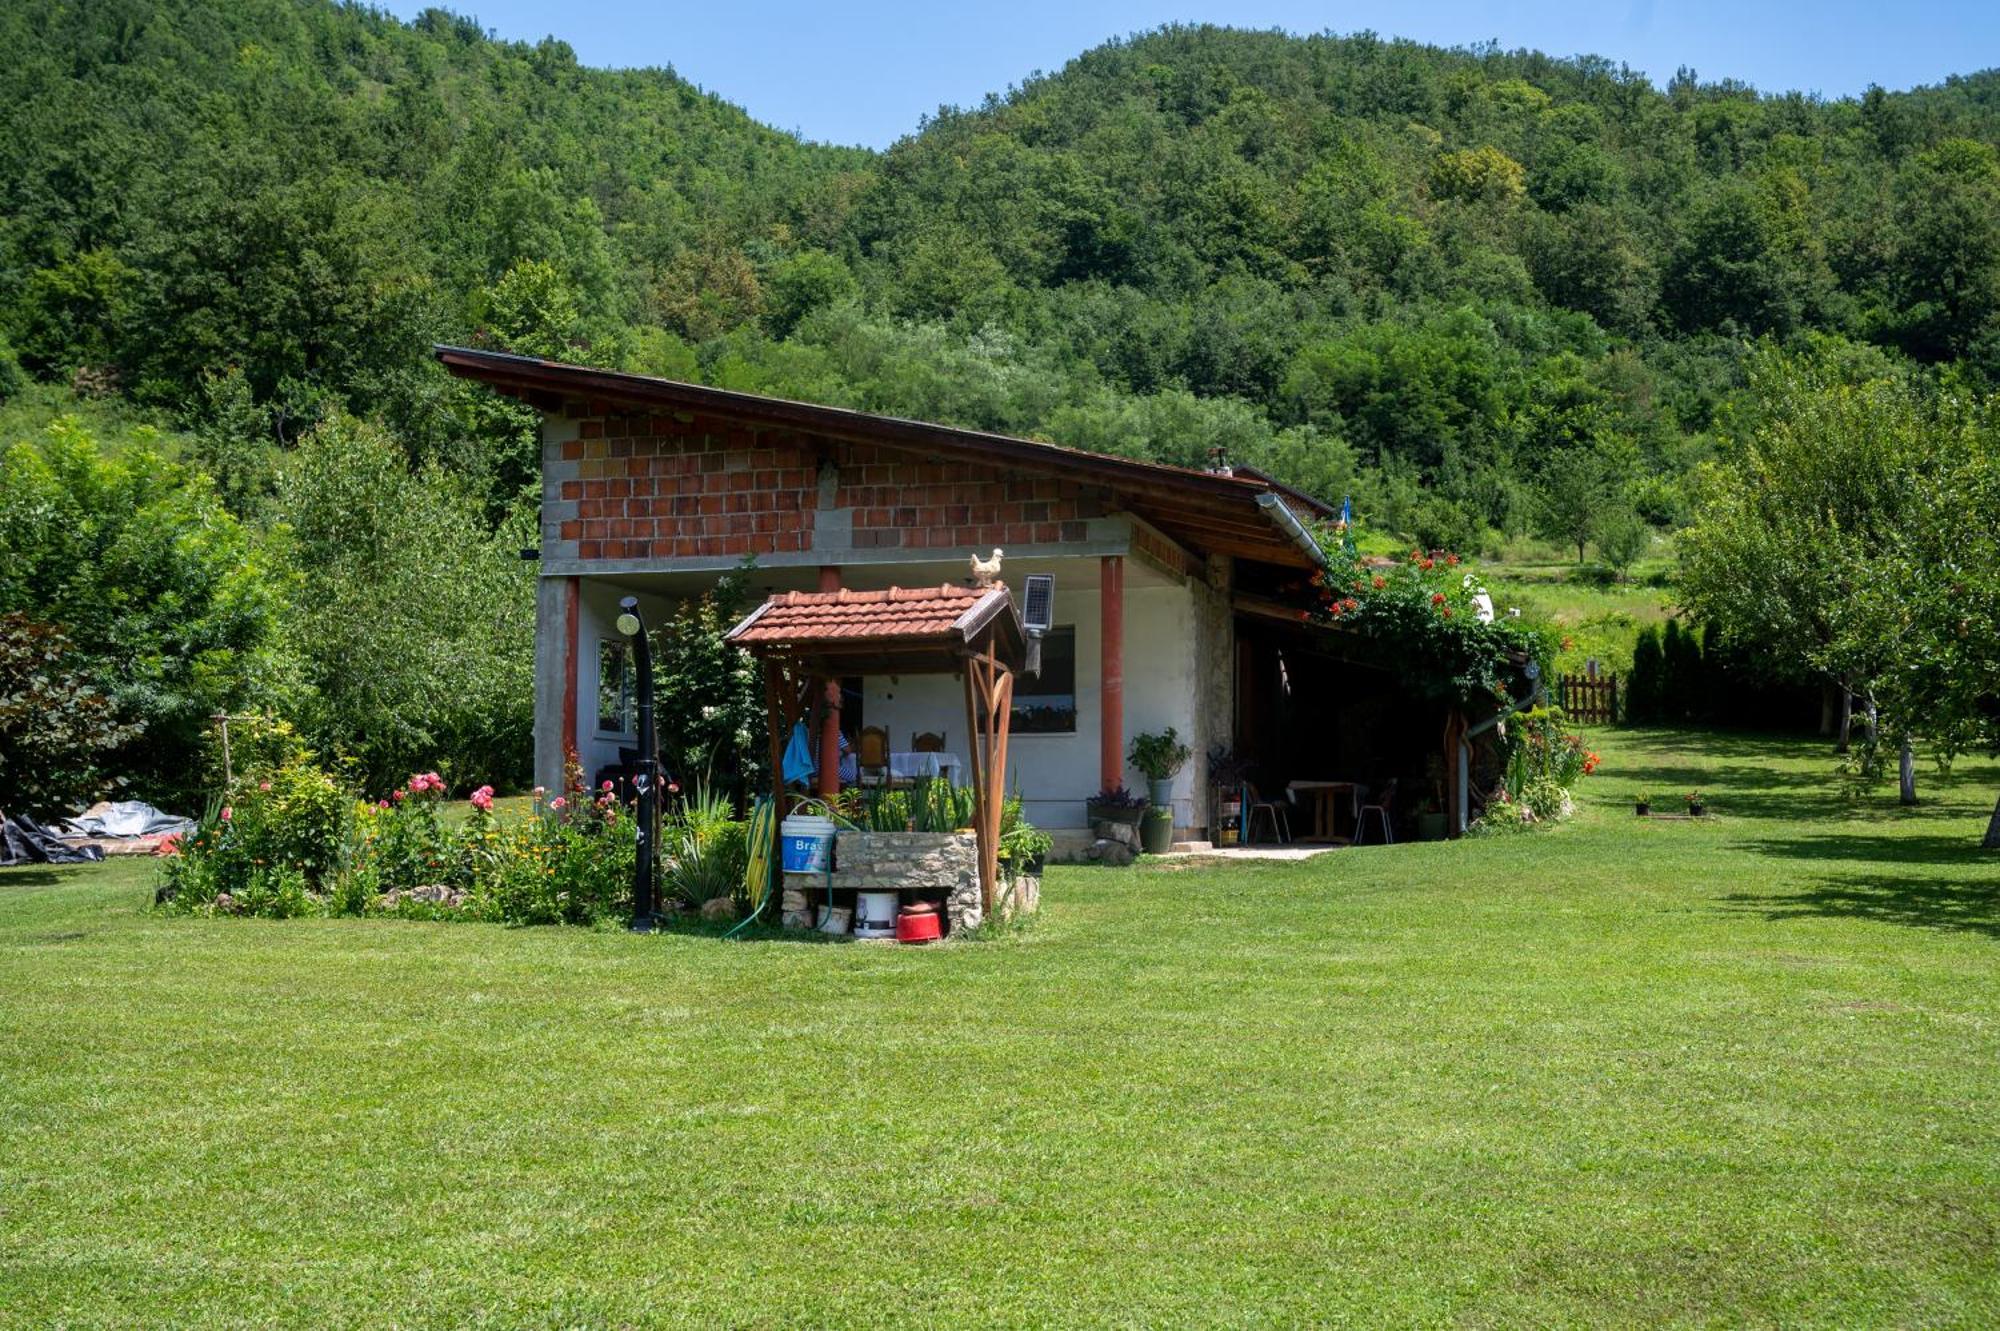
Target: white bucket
x=833 y=919
x=806 y=842
x=875 y=914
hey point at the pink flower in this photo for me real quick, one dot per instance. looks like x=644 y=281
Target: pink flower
x=398 y=794
x=558 y=803
x=383 y=805
x=541 y=791
x=227 y=813
x=263 y=785
x=482 y=799
x=605 y=786
x=673 y=787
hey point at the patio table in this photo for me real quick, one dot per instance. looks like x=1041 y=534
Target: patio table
x=1325 y=799
x=916 y=766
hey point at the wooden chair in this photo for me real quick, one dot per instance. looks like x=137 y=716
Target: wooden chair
x=1384 y=810
x=928 y=741
x=874 y=756
x=1273 y=810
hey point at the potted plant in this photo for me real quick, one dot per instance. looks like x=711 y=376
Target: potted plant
x=1115 y=804
x=1695 y=807
x=1156 y=830
x=1430 y=822
x=1645 y=805
x=1160 y=757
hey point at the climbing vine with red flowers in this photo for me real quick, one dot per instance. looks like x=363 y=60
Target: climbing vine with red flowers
x=1422 y=610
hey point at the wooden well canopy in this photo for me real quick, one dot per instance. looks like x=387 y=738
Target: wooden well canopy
x=808 y=640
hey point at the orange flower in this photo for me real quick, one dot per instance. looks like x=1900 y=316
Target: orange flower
x=1437 y=598
x=1380 y=582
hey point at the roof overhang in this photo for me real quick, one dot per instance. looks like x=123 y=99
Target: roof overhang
x=1205 y=511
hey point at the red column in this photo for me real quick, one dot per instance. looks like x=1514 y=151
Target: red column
x=829 y=727
x=1111 y=672
x=572 y=649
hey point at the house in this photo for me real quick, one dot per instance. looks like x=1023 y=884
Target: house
x=1169 y=601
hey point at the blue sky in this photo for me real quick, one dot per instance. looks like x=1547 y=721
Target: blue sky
x=860 y=72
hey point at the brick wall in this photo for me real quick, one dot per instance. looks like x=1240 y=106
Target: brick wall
x=677 y=486
x=901 y=502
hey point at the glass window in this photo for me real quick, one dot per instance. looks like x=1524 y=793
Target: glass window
x=614 y=687
x=1045 y=704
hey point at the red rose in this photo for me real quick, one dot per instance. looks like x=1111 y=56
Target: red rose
x=1437 y=598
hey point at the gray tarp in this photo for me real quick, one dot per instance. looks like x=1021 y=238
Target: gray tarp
x=128 y=818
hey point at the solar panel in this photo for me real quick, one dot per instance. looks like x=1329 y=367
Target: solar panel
x=1038 y=606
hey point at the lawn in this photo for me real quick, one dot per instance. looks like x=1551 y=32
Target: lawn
x=1739 y=1071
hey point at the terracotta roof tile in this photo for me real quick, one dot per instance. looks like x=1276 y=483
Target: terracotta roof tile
x=897 y=612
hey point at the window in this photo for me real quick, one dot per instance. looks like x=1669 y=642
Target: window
x=1045 y=704
x=615 y=687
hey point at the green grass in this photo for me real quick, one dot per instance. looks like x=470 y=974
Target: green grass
x=1739 y=1071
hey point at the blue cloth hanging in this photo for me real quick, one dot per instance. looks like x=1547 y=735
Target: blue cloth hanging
x=800 y=765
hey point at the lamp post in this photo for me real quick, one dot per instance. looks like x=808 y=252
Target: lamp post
x=647 y=779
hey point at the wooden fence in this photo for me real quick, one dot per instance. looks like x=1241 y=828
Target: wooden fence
x=1587 y=699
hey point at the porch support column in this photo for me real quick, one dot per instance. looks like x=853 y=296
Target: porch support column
x=829 y=725
x=1111 y=672
x=572 y=649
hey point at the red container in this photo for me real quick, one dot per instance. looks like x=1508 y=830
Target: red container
x=918 y=923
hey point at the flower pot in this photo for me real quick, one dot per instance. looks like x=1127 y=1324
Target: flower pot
x=1697 y=810
x=1156 y=832
x=1643 y=808
x=1128 y=814
x=1430 y=827
x=1160 y=792
x=1225 y=834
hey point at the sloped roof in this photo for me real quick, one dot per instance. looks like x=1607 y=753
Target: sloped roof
x=907 y=628
x=1204 y=511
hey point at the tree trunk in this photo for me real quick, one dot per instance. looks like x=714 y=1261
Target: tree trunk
x=1992 y=841
x=1579 y=552
x=1846 y=731
x=1829 y=709
x=1906 y=772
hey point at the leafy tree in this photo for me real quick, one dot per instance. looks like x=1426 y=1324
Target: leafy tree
x=57 y=732
x=413 y=622
x=170 y=606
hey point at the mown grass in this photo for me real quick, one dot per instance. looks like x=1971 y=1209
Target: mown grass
x=1737 y=1071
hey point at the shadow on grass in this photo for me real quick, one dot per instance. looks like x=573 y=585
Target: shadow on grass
x=1926 y=903
x=35 y=875
x=1927 y=848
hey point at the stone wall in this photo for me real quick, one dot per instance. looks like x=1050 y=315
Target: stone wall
x=932 y=863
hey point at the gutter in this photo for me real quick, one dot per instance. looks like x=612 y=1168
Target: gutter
x=1288 y=522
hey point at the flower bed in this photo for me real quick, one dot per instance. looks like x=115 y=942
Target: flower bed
x=291 y=842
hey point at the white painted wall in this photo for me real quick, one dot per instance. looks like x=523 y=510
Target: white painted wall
x=1057 y=773
x=597 y=620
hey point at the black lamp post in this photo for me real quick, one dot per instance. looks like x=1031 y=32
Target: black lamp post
x=647 y=779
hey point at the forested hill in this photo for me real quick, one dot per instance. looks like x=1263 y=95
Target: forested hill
x=1426 y=275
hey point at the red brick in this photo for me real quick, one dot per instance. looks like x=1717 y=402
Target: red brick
x=590 y=550
x=590 y=430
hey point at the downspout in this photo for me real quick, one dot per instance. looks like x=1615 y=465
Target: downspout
x=1465 y=751
x=1280 y=512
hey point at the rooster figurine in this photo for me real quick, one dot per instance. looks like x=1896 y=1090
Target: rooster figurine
x=986 y=572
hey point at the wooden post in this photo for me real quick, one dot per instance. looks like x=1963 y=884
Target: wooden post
x=1003 y=709
x=829 y=724
x=1111 y=672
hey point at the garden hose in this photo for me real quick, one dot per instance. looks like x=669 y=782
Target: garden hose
x=757 y=875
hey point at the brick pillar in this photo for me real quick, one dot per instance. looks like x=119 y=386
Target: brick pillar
x=1111 y=672
x=829 y=726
